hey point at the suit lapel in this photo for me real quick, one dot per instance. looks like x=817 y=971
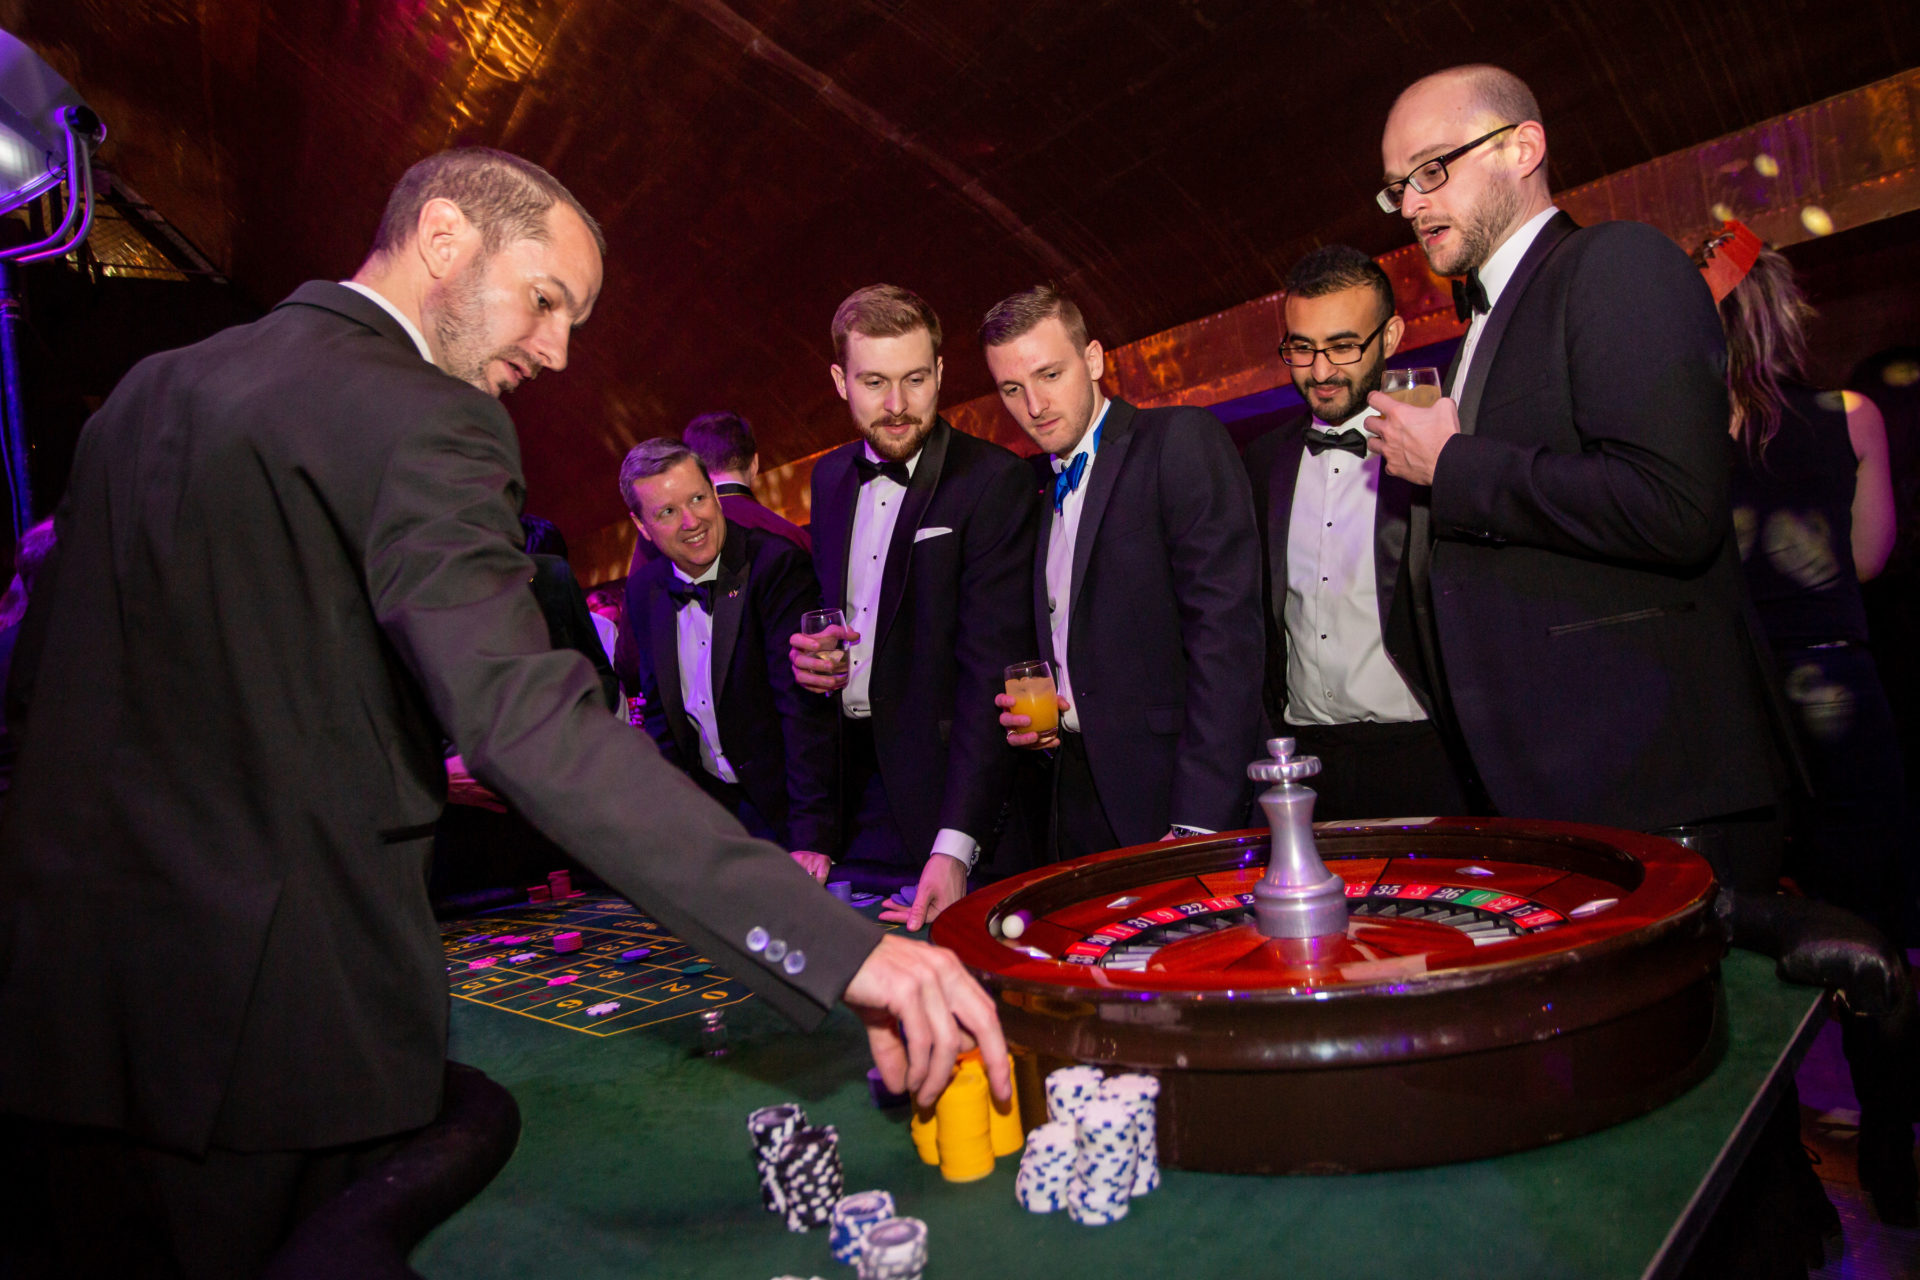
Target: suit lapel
x=1392 y=511
x=1042 y=615
x=1116 y=434
x=666 y=654
x=926 y=478
x=833 y=523
x=729 y=604
x=1558 y=228
x=1282 y=480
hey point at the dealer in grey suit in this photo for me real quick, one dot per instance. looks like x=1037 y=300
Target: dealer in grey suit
x=289 y=562
x=1146 y=580
x=1333 y=527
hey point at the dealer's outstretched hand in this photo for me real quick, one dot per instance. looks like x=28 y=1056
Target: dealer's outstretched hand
x=922 y=1010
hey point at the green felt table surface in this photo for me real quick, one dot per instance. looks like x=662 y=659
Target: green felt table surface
x=634 y=1161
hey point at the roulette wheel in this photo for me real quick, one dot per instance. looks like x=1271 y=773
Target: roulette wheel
x=1361 y=996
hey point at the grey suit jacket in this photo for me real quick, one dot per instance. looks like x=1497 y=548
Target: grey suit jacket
x=289 y=560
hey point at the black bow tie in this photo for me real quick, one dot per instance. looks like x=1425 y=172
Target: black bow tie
x=894 y=471
x=1354 y=442
x=686 y=593
x=1470 y=297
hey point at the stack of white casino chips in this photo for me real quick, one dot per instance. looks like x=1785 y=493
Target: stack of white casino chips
x=853 y=1216
x=1046 y=1167
x=1097 y=1152
x=895 y=1249
x=1069 y=1089
x=1137 y=1093
x=1105 y=1158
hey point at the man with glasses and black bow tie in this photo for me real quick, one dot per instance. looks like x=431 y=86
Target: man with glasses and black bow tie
x=709 y=623
x=1571 y=553
x=1333 y=525
x=923 y=537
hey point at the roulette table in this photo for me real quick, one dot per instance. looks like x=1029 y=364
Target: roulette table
x=634 y=1158
x=1594 y=1074
x=1510 y=983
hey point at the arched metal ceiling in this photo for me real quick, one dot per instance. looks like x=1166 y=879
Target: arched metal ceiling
x=754 y=161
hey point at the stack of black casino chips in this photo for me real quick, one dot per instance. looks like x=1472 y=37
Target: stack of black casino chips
x=811 y=1181
x=799 y=1165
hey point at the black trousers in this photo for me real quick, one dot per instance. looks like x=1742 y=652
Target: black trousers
x=732 y=797
x=1370 y=770
x=80 y=1202
x=875 y=855
x=1079 y=824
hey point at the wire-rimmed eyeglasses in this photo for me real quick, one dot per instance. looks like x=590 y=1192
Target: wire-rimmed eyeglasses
x=1432 y=175
x=1300 y=354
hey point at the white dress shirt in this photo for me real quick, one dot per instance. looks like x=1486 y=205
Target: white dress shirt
x=609 y=634
x=694 y=628
x=1062 y=533
x=1501 y=265
x=413 y=330
x=1338 y=671
x=875 y=513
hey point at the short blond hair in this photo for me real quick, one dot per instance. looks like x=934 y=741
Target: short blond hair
x=1016 y=316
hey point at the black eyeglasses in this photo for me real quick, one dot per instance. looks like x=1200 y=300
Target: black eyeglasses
x=1301 y=355
x=1432 y=175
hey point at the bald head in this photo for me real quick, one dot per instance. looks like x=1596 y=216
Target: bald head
x=1483 y=125
x=1489 y=91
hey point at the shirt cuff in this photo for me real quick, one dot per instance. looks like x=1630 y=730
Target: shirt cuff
x=957 y=844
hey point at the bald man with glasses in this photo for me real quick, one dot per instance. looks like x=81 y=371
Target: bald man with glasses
x=1575 y=591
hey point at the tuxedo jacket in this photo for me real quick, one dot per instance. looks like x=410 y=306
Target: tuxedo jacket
x=953 y=615
x=740 y=507
x=1164 y=643
x=570 y=622
x=1585 y=592
x=1273 y=467
x=780 y=739
x=289 y=560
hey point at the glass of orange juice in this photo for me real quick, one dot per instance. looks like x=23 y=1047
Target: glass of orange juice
x=1030 y=685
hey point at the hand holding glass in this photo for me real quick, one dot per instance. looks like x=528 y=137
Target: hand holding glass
x=817 y=623
x=1030 y=685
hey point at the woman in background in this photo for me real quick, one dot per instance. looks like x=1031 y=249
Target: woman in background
x=1813 y=512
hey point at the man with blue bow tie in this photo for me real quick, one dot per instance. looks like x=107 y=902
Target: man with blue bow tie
x=1147 y=582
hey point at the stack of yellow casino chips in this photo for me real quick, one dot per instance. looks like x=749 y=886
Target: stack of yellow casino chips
x=967 y=1129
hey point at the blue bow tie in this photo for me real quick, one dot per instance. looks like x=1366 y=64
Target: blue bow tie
x=1067 y=475
x=1067 y=480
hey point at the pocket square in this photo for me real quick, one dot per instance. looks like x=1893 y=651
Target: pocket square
x=932 y=531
